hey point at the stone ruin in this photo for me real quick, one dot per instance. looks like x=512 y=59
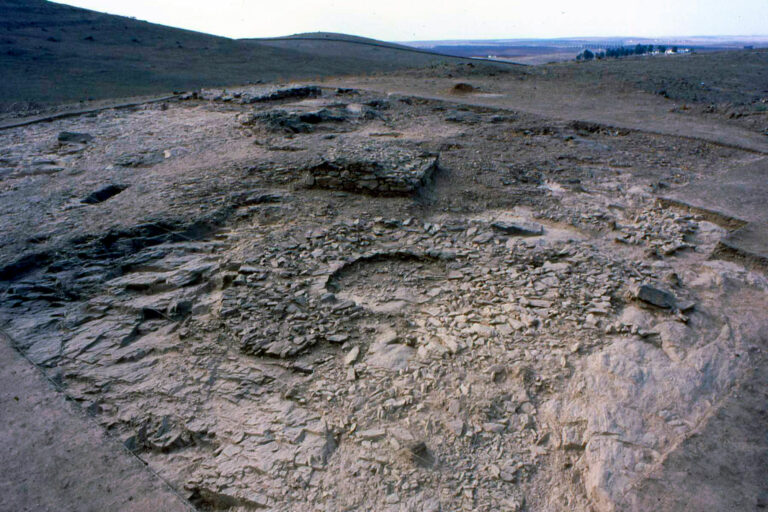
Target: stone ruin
x=387 y=171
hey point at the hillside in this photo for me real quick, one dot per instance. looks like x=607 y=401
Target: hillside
x=52 y=53
x=328 y=44
x=334 y=36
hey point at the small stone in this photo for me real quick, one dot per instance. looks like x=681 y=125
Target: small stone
x=337 y=338
x=507 y=476
x=387 y=337
x=456 y=426
x=538 y=303
x=556 y=267
x=76 y=138
x=344 y=305
x=656 y=296
x=497 y=372
x=421 y=455
x=496 y=428
x=351 y=356
x=519 y=228
x=572 y=438
x=451 y=344
x=483 y=238
x=246 y=118
x=372 y=434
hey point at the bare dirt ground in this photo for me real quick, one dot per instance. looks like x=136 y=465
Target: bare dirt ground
x=54 y=459
x=357 y=300
x=729 y=109
x=552 y=92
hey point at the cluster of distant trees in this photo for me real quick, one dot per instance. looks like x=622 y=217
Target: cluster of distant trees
x=623 y=51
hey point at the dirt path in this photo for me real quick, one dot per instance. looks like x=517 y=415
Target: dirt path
x=630 y=110
x=54 y=459
x=69 y=111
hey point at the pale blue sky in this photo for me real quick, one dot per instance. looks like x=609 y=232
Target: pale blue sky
x=408 y=20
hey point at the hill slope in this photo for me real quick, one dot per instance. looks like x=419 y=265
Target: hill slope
x=52 y=53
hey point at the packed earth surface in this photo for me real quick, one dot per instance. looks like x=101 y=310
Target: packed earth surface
x=306 y=297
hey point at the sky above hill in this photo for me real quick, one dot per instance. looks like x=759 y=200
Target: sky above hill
x=409 y=20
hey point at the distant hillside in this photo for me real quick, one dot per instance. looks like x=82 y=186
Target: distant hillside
x=304 y=41
x=360 y=53
x=334 y=36
x=52 y=53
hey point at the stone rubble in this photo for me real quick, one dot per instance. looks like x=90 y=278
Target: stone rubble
x=392 y=171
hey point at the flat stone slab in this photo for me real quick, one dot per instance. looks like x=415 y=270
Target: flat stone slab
x=735 y=198
x=522 y=228
x=657 y=296
x=749 y=244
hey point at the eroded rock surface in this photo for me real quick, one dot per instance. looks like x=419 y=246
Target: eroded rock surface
x=526 y=329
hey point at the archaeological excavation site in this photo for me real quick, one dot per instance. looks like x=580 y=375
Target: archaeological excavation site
x=340 y=300
x=458 y=287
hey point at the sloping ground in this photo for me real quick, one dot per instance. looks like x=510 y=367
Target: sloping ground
x=383 y=55
x=51 y=53
x=335 y=36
